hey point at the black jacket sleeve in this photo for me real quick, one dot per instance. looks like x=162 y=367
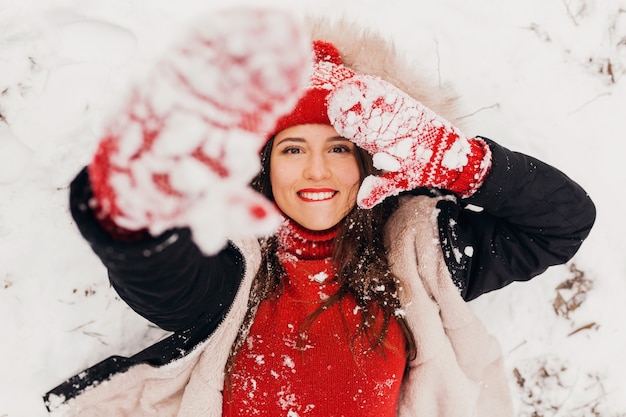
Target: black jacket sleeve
x=530 y=216
x=165 y=279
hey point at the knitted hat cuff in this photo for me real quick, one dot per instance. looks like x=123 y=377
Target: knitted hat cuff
x=312 y=107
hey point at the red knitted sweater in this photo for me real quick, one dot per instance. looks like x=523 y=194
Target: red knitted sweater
x=278 y=373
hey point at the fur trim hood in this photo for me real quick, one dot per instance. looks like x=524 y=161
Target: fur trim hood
x=366 y=51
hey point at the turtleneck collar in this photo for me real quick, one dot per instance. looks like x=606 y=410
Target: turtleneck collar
x=306 y=244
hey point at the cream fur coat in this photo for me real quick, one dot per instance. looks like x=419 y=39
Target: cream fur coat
x=458 y=370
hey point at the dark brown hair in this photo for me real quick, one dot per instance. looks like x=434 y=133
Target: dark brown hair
x=359 y=257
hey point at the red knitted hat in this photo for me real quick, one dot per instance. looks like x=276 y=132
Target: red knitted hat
x=328 y=71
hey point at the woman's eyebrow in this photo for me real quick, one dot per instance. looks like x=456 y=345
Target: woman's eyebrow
x=291 y=139
x=303 y=140
x=297 y=139
x=338 y=139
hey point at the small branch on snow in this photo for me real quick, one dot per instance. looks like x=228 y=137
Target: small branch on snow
x=496 y=105
x=588 y=102
x=518 y=346
x=542 y=34
x=81 y=326
x=587 y=405
x=569 y=12
x=609 y=70
x=521 y=381
x=559 y=408
x=438 y=63
x=592 y=325
x=98 y=336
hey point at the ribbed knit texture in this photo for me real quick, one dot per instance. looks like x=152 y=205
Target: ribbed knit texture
x=283 y=371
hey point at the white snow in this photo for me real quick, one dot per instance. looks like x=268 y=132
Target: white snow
x=15 y=157
x=543 y=77
x=320 y=277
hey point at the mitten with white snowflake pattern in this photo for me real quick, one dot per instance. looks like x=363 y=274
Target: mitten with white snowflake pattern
x=184 y=146
x=412 y=145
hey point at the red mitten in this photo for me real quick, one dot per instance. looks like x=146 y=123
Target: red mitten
x=412 y=145
x=185 y=145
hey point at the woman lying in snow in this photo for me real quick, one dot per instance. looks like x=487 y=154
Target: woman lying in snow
x=339 y=286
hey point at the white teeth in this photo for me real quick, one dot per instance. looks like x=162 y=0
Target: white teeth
x=318 y=196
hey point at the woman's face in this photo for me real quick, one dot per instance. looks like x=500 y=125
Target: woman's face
x=314 y=175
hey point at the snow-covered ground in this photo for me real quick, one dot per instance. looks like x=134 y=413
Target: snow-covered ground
x=544 y=77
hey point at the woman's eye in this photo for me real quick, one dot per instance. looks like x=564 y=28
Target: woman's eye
x=291 y=150
x=340 y=148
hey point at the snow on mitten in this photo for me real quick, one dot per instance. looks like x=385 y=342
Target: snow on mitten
x=412 y=145
x=184 y=146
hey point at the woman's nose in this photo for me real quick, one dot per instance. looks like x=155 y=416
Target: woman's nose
x=316 y=168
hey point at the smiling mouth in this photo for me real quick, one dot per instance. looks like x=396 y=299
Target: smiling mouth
x=316 y=196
